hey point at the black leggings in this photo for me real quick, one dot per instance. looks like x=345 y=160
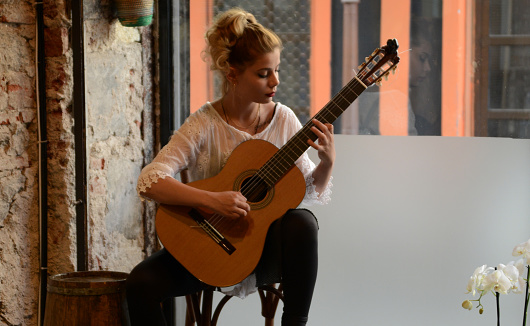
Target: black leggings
x=292 y=242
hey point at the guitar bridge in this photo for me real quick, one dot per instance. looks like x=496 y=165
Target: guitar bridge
x=212 y=231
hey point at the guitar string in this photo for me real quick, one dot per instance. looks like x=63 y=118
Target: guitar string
x=351 y=86
x=255 y=180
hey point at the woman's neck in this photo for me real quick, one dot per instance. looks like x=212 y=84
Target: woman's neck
x=242 y=116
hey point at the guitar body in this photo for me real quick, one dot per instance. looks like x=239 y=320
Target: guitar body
x=197 y=251
x=222 y=251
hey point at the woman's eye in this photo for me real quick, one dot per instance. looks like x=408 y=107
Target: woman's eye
x=268 y=74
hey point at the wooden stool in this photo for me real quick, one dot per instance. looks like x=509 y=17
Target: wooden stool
x=95 y=298
x=202 y=316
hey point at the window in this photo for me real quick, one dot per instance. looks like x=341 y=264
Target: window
x=503 y=95
x=463 y=70
x=174 y=65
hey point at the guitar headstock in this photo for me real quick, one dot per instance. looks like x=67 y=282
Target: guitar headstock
x=379 y=63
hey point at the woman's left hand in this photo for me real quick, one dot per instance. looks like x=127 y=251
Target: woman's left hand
x=325 y=145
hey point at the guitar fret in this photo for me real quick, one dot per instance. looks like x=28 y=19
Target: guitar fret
x=266 y=178
x=228 y=268
x=286 y=156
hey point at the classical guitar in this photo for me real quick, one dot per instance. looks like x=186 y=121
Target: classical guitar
x=223 y=251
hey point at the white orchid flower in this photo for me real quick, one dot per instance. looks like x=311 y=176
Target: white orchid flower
x=520 y=265
x=498 y=282
x=520 y=285
x=512 y=273
x=523 y=249
x=476 y=281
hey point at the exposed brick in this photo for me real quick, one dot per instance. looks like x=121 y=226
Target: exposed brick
x=97 y=186
x=56 y=13
x=13 y=88
x=97 y=163
x=17 y=12
x=20 y=91
x=56 y=41
x=26 y=116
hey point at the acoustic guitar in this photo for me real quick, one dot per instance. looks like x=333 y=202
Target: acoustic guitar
x=223 y=251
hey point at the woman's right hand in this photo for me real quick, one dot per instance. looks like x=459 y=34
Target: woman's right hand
x=228 y=203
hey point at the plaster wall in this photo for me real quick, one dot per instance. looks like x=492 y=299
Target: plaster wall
x=119 y=82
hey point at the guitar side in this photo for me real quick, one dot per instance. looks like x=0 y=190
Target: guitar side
x=188 y=232
x=197 y=251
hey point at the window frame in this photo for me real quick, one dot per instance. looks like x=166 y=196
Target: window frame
x=484 y=40
x=173 y=62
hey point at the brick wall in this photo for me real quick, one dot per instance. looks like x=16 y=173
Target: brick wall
x=19 y=259
x=119 y=109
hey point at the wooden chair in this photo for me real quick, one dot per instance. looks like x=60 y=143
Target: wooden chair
x=200 y=304
x=201 y=315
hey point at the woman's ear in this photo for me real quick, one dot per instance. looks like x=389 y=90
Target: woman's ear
x=232 y=76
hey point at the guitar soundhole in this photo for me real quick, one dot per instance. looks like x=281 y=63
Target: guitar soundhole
x=254 y=188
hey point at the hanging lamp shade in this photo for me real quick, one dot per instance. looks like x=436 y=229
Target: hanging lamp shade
x=134 y=13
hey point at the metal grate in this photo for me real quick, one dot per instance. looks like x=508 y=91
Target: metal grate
x=291 y=21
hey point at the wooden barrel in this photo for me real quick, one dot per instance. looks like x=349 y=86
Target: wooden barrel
x=91 y=298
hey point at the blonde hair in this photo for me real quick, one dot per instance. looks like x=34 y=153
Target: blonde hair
x=236 y=39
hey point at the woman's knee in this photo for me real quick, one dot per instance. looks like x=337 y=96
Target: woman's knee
x=300 y=221
x=139 y=282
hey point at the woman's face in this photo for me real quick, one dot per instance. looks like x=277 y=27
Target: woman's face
x=420 y=63
x=258 y=82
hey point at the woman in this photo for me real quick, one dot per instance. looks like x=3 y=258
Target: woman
x=247 y=56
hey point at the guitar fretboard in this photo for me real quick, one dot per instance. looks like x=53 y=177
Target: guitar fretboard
x=287 y=155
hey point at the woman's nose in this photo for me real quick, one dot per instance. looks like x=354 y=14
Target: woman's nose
x=274 y=80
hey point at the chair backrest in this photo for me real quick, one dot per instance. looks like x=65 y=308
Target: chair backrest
x=185 y=176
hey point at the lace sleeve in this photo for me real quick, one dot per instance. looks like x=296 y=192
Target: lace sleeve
x=179 y=153
x=312 y=196
x=151 y=174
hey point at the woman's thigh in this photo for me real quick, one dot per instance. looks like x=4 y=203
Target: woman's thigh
x=269 y=268
x=163 y=276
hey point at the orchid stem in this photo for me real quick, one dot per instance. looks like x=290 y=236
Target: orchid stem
x=526 y=296
x=497 y=294
x=498 y=307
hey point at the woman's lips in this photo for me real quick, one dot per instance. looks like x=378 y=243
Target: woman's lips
x=271 y=94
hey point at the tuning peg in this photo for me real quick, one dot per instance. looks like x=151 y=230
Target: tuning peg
x=378 y=82
x=394 y=70
x=366 y=59
x=386 y=76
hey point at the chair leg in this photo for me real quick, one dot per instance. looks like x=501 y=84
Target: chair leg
x=270 y=296
x=197 y=314
x=190 y=311
x=206 y=314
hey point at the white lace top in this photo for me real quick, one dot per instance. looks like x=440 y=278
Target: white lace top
x=203 y=144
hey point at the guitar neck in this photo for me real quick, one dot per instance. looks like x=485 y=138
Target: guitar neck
x=287 y=155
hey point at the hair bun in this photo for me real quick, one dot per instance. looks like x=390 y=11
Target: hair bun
x=235 y=39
